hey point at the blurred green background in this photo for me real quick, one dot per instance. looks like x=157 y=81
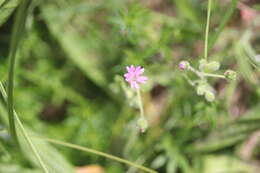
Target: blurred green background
x=69 y=85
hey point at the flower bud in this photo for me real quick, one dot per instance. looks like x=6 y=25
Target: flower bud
x=202 y=63
x=209 y=96
x=212 y=66
x=184 y=65
x=230 y=74
x=142 y=124
x=209 y=66
x=205 y=89
x=201 y=89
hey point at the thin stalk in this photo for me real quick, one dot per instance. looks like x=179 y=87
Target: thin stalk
x=189 y=80
x=24 y=133
x=96 y=152
x=214 y=75
x=207 y=31
x=202 y=75
x=198 y=73
x=140 y=103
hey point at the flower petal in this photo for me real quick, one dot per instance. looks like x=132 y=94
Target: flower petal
x=142 y=79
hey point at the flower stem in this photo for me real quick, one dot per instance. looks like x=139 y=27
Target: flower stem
x=214 y=75
x=198 y=73
x=207 y=30
x=96 y=152
x=140 y=103
x=189 y=80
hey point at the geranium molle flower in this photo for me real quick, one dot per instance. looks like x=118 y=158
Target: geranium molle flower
x=183 y=65
x=134 y=76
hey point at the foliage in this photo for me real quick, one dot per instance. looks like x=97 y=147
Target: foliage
x=69 y=86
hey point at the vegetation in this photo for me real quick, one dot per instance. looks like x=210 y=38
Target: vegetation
x=65 y=104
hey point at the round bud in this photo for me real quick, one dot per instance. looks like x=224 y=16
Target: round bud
x=202 y=63
x=142 y=124
x=212 y=66
x=209 y=96
x=209 y=66
x=230 y=74
x=201 y=89
x=184 y=65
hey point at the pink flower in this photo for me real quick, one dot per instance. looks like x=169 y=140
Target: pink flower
x=134 y=76
x=184 y=65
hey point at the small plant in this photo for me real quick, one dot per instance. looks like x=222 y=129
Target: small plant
x=206 y=69
x=134 y=77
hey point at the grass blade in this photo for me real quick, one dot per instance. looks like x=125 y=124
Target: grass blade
x=26 y=136
x=19 y=23
x=223 y=23
x=6 y=8
x=16 y=36
x=97 y=153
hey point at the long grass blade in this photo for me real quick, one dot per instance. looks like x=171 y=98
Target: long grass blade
x=16 y=36
x=26 y=136
x=96 y=152
x=19 y=23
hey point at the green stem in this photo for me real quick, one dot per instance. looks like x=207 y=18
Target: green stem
x=198 y=73
x=189 y=80
x=23 y=131
x=17 y=32
x=140 y=102
x=214 y=75
x=202 y=75
x=207 y=31
x=97 y=153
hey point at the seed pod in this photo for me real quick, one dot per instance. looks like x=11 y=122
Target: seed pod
x=209 y=66
x=212 y=66
x=202 y=63
x=230 y=74
x=201 y=89
x=209 y=96
x=142 y=124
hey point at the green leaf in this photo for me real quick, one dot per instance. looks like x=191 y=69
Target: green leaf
x=79 y=51
x=6 y=9
x=226 y=163
x=229 y=134
x=51 y=157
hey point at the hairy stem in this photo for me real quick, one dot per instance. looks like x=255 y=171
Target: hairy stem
x=202 y=75
x=140 y=102
x=198 y=73
x=214 y=75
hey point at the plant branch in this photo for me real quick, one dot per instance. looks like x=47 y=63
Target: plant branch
x=214 y=75
x=140 y=102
